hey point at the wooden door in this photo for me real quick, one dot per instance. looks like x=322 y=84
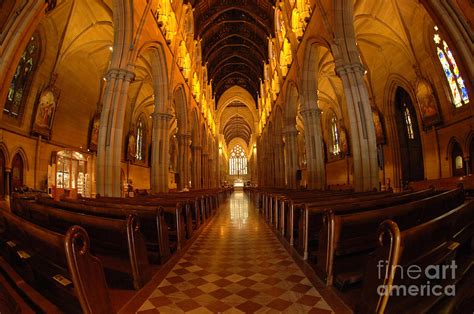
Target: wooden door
x=457 y=160
x=2 y=175
x=17 y=172
x=409 y=138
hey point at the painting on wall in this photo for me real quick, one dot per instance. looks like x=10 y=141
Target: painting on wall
x=379 y=132
x=427 y=104
x=94 y=132
x=45 y=109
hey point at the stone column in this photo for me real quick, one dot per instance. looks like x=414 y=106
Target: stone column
x=467 y=165
x=160 y=152
x=205 y=169
x=109 y=154
x=184 y=140
x=8 y=172
x=279 y=165
x=362 y=130
x=314 y=148
x=196 y=179
x=291 y=157
x=350 y=70
x=210 y=167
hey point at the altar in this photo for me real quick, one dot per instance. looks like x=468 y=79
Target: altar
x=238 y=184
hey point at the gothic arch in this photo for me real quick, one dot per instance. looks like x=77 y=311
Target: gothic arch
x=291 y=105
x=159 y=73
x=6 y=155
x=454 y=152
x=454 y=140
x=309 y=79
x=22 y=153
x=179 y=101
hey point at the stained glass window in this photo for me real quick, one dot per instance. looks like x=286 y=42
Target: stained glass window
x=451 y=70
x=237 y=161
x=18 y=89
x=335 y=148
x=141 y=153
x=408 y=122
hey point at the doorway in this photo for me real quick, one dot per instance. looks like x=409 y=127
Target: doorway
x=2 y=175
x=409 y=138
x=17 y=172
x=457 y=160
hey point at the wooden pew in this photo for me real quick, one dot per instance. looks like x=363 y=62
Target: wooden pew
x=301 y=211
x=445 y=184
x=40 y=255
x=118 y=243
x=345 y=239
x=170 y=219
x=430 y=243
x=25 y=297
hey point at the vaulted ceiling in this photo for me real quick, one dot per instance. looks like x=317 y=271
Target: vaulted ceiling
x=234 y=36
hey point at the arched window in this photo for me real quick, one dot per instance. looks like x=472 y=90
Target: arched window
x=17 y=172
x=451 y=70
x=457 y=160
x=20 y=83
x=141 y=139
x=2 y=175
x=335 y=141
x=237 y=161
x=408 y=122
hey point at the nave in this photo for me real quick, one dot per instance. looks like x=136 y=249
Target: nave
x=237 y=265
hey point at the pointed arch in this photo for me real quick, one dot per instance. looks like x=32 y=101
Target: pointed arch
x=159 y=72
x=21 y=152
x=291 y=105
x=179 y=102
x=6 y=155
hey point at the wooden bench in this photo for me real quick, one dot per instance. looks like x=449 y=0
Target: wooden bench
x=168 y=227
x=301 y=210
x=16 y=296
x=445 y=184
x=118 y=243
x=434 y=243
x=345 y=239
x=59 y=266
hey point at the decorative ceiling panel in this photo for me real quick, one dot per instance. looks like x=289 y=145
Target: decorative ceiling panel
x=234 y=36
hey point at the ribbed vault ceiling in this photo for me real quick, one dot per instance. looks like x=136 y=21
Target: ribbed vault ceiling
x=234 y=41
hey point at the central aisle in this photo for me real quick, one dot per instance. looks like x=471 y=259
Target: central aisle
x=236 y=265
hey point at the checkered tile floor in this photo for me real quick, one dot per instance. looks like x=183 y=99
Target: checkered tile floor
x=236 y=266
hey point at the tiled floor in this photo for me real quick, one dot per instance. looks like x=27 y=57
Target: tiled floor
x=236 y=265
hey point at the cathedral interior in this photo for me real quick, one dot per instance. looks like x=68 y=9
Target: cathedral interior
x=236 y=156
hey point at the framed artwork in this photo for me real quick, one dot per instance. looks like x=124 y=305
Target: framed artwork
x=45 y=109
x=379 y=131
x=427 y=104
x=94 y=132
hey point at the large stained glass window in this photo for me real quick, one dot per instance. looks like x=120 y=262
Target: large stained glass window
x=18 y=89
x=335 y=148
x=451 y=70
x=237 y=161
x=408 y=122
x=141 y=142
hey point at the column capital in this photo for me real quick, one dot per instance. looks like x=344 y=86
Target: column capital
x=183 y=137
x=161 y=116
x=310 y=112
x=120 y=74
x=205 y=154
x=290 y=133
x=8 y=169
x=196 y=147
x=346 y=68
